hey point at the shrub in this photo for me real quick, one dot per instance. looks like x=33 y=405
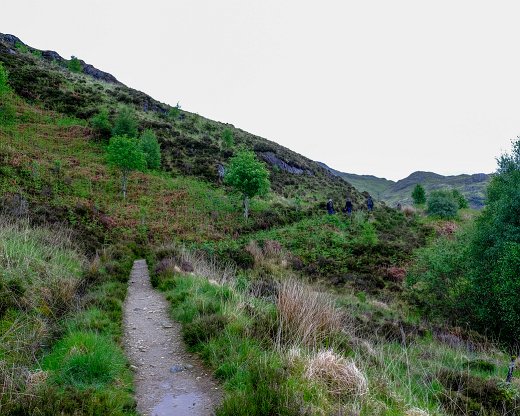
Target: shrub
x=463 y=203
x=151 y=149
x=4 y=85
x=101 y=123
x=437 y=279
x=125 y=123
x=174 y=112
x=203 y=329
x=227 y=138
x=495 y=253
x=418 y=195
x=74 y=65
x=442 y=204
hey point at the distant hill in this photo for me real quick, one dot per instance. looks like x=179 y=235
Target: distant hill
x=471 y=186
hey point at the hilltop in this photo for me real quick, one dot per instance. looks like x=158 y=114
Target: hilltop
x=472 y=186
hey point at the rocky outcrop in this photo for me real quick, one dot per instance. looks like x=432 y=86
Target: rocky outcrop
x=12 y=42
x=274 y=160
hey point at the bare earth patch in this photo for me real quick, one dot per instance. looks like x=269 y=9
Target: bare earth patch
x=168 y=380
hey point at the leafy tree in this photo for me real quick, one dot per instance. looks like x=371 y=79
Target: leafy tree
x=74 y=65
x=4 y=85
x=461 y=200
x=419 y=195
x=227 y=138
x=174 y=112
x=125 y=123
x=101 y=123
x=125 y=154
x=7 y=109
x=248 y=176
x=495 y=253
x=151 y=149
x=442 y=204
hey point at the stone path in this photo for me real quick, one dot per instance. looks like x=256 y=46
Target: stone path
x=168 y=380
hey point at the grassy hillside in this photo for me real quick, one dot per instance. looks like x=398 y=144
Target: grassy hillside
x=471 y=186
x=365 y=183
x=295 y=311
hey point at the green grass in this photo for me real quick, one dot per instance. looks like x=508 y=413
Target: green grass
x=85 y=360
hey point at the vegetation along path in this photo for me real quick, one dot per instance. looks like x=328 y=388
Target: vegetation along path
x=169 y=381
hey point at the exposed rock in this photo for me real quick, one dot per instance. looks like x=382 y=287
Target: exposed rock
x=11 y=41
x=274 y=160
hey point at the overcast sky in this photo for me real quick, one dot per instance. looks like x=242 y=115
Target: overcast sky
x=372 y=87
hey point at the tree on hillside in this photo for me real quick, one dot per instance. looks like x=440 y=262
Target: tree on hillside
x=151 y=149
x=174 y=112
x=227 y=138
x=4 y=85
x=461 y=199
x=419 y=195
x=125 y=124
x=101 y=123
x=248 y=176
x=495 y=252
x=74 y=65
x=125 y=154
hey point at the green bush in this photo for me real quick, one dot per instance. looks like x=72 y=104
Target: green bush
x=418 y=195
x=495 y=250
x=462 y=201
x=101 y=124
x=125 y=123
x=442 y=204
x=74 y=65
x=437 y=280
x=151 y=149
x=4 y=78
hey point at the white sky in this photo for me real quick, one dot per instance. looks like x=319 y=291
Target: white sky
x=378 y=87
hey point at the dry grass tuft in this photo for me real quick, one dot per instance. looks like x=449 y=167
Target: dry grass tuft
x=340 y=375
x=180 y=259
x=416 y=412
x=305 y=317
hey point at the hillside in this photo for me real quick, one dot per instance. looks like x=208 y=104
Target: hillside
x=294 y=312
x=471 y=186
x=191 y=144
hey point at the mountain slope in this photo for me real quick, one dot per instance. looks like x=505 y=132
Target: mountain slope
x=191 y=144
x=471 y=186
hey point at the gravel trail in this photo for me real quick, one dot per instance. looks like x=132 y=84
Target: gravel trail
x=169 y=381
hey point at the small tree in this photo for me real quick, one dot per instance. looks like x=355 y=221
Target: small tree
x=461 y=200
x=101 y=123
x=74 y=65
x=125 y=124
x=174 y=112
x=125 y=154
x=248 y=176
x=4 y=85
x=442 y=204
x=151 y=149
x=227 y=138
x=419 y=195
